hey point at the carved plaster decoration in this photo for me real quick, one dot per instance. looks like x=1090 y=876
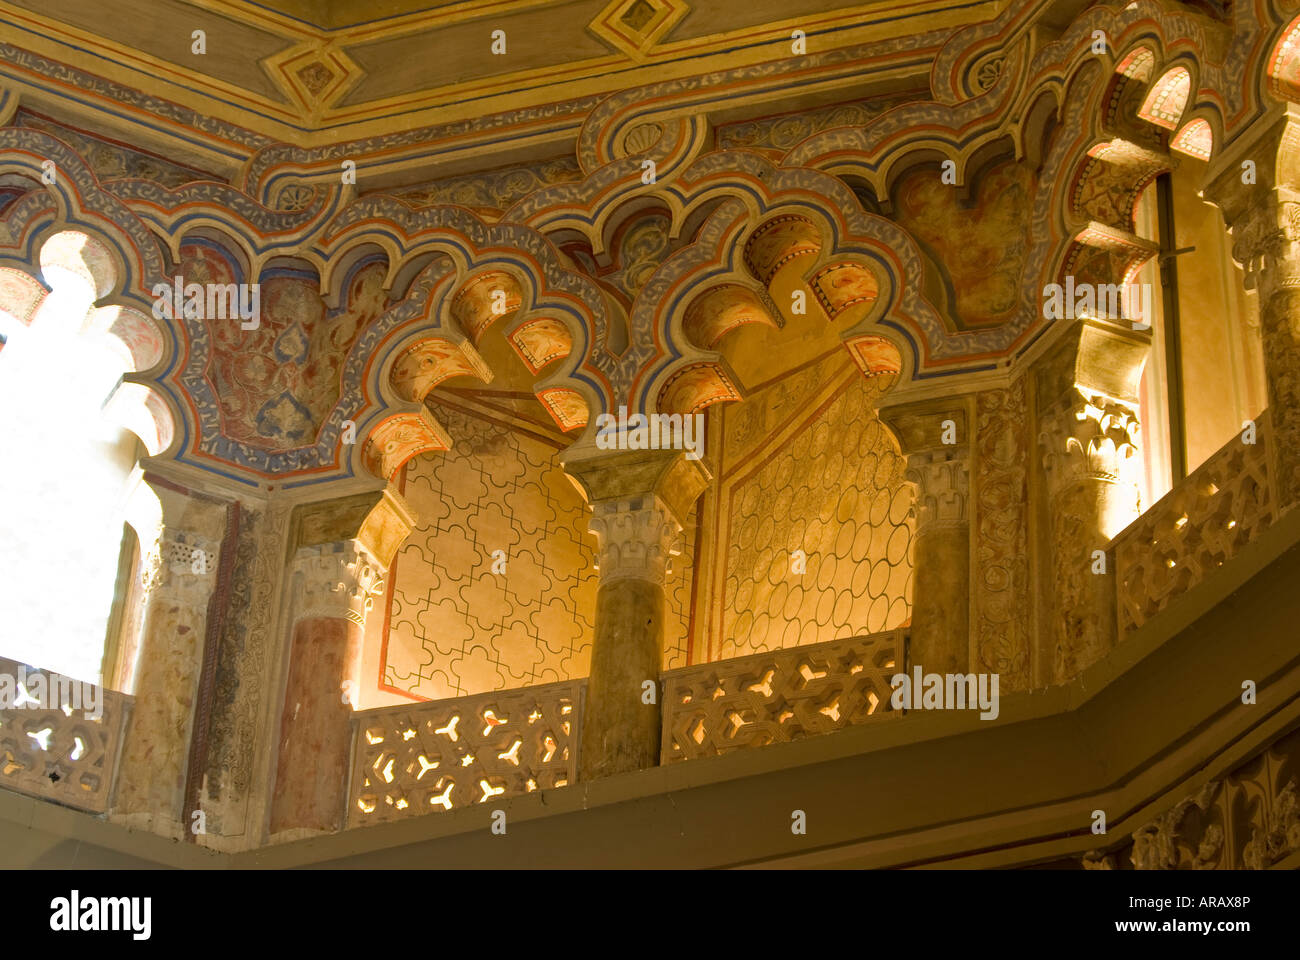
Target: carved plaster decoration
x=1246 y=819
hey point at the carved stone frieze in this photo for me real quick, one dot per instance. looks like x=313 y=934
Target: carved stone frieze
x=1156 y=846
x=1000 y=577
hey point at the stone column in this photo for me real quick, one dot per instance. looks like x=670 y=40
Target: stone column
x=181 y=576
x=639 y=501
x=933 y=435
x=333 y=585
x=1256 y=183
x=1087 y=392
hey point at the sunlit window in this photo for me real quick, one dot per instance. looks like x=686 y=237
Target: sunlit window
x=70 y=474
x=1205 y=374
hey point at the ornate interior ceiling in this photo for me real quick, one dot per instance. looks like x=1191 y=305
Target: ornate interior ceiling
x=312 y=72
x=797 y=206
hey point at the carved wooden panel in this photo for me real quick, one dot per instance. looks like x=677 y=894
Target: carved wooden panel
x=1246 y=820
x=1194 y=529
x=65 y=747
x=446 y=754
x=779 y=695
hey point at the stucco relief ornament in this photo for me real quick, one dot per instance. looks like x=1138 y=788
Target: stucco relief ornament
x=641 y=138
x=151 y=570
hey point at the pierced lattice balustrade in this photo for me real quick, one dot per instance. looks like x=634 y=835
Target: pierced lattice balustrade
x=446 y=754
x=59 y=738
x=788 y=694
x=1194 y=529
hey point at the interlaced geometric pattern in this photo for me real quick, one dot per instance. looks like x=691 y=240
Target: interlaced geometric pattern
x=829 y=484
x=780 y=695
x=447 y=754
x=62 y=753
x=1194 y=529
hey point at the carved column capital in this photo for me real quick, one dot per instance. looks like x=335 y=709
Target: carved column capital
x=1086 y=436
x=942 y=481
x=336 y=581
x=1255 y=182
x=640 y=502
x=636 y=538
x=934 y=437
x=180 y=568
x=1266 y=241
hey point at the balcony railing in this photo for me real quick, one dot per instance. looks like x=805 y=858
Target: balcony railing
x=447 y=754
x=411 y=760
x=1194 y=529
x=788 y=694
x=59 y=738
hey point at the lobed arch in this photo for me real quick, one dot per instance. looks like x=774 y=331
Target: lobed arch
x=1150 y=109
x=773 y=220
x=469 y=245
x=724 y=307
x=1167 y=99
x=1145 y=31
x=120 y=260
x=74 y=200
x=429 y=343
x=1195 y=138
